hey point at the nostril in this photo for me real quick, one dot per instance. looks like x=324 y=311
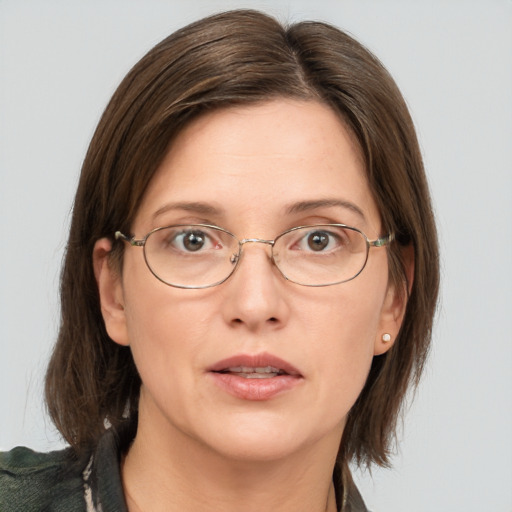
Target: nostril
x=272 y=320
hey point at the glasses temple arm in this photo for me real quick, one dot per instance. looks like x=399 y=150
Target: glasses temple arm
x=132 y=241
x=383 y=240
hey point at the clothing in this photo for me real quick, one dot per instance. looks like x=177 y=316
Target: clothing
x=60 y=482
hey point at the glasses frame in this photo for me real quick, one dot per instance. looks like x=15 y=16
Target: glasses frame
x=141 y=242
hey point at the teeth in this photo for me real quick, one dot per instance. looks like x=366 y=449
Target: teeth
x=257 y=375
x=259 y=372
x=249 y=369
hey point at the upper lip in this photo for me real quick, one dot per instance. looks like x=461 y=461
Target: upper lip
x=254 y=361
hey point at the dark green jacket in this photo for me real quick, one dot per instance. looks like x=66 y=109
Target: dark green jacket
x=61 y=482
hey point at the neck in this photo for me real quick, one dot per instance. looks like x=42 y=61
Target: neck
x=180 y=474
x=145 y=491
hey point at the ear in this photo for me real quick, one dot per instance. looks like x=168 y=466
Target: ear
x=395 y=303
x=110 y=291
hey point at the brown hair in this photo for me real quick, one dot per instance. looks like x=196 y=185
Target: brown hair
x=234 y=58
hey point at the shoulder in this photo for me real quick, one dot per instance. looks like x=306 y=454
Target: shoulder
x=33 y=482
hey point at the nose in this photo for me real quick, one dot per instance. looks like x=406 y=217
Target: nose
x=255 y=295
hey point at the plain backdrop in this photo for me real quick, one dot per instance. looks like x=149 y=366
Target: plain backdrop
x=59 y=64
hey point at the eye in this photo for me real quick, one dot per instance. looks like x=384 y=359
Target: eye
x=185 y=240
x=321 y=240
x=318 y=240
x=193 y=241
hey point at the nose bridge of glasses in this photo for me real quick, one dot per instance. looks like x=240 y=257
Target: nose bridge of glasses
x=241 y=244
x=257 y=241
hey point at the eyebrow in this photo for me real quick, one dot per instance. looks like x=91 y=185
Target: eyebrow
x=298 y=207
x=195 y=207
x=304 y=206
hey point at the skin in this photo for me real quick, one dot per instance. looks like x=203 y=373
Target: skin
x=198 y=447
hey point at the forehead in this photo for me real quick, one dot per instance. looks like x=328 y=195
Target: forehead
x=256 y=162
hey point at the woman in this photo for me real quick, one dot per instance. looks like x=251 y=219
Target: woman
x=249 y=283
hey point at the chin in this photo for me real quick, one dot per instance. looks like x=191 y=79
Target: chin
x=257 y=450
x=271 y=441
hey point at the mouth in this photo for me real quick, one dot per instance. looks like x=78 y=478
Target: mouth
x=259 y=372
x=255 y=377
x=257 y=366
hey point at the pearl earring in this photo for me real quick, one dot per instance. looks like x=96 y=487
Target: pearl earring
x=386 y=338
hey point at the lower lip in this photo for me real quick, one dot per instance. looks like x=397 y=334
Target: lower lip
x=255 y=389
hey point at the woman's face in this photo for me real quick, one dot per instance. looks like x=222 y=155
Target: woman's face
x=256 y=171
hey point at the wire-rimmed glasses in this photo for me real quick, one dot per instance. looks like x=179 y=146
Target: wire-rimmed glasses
x=203 y=255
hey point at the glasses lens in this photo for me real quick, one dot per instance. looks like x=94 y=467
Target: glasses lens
x=193 y=256
x=321 y=255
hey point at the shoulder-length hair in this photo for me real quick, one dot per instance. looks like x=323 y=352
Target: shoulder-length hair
x=232 y=58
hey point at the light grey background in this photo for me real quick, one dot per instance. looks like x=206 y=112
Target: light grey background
x=60 y=62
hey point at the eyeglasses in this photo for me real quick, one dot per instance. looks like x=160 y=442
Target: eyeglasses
x=202 y=256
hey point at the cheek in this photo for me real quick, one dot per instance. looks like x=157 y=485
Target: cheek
x=156 y=312
x=167 y=329
x=156 y=320
x=342 y=319
x=163 y=326
x=165 y=336
x=342 y=328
